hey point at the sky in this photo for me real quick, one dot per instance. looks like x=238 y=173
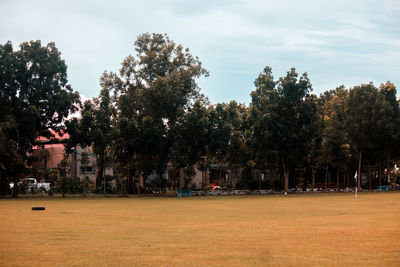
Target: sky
x=347 y=42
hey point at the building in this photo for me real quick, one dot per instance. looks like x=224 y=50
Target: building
x=50 y=152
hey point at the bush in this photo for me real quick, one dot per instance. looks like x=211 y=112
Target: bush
x=158 y=184
x=62 y=184
x=247 y=180
x=70 y=185
x=194 y=187
x=4 y=187
x=110 y=188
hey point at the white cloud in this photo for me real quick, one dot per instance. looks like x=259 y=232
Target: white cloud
x=334 y=41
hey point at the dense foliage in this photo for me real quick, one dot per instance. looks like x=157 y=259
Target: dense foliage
x=151 y=116
x=34 y=97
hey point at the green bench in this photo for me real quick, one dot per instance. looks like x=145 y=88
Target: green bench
x=184 y=193
x=383 y=187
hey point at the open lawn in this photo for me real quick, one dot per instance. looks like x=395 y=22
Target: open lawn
x=296 y=230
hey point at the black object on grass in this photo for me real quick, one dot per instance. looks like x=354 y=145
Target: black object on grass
x=38 y=208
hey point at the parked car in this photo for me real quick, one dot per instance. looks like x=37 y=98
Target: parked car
x=32 y=185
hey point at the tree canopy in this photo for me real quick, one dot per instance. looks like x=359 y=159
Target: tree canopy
x=34 y=97
x=151 y=116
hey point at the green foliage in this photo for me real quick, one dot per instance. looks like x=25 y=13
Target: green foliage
x=191 y=136
x=109 y=185
x=4 y=187
x=152 y=92
x=34 y=97
x=362 y=114
x=228 y=135
x=158 y=184
x=70 y=185
x=247 y=179
x=63 y=184
x=94 y=129
x=335 y=143
x=284 y=118
x=152 y=113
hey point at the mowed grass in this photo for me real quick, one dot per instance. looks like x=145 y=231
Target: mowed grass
x=296 y=230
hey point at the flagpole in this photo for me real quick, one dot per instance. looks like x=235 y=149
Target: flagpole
x=355 y=178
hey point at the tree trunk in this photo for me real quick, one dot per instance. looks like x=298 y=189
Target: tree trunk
x=84 y=185
x=285 y=176
x=15 y=187
x=369 y=176
x=220 y=175
x=100 y=168
x=337 y=179
x=376 y=169
x=259 y=183
x=104 y=180
x=232 y=174
x=181 y=179
x=131 y=176
x=75 y=159
x=203 y=176
x=389 y=170
x=203 y=181
x=270 y=181
x=326 y=175
x=140 y=182
x=359 y=170
x=122 y=188
x=273 y=183
x=380 y=172
x=313 y=177
x=294 y=179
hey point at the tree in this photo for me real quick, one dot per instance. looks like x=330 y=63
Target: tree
x=389 y=136
x=238 y=153
x=227 y=137
x=84 y=162
x=335 y=144
x=262 y=107
x=370 y=117
x=153 y=90
x=192 y=146
x=93 y=129
x=283 y=116
x=219 y=131
x=35 y=95
x=44 y=156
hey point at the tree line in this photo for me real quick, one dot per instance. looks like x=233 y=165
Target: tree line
x=152 y=113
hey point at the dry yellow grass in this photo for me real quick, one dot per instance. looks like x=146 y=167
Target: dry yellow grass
x=296 y=230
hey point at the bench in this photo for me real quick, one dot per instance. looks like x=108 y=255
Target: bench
x=383 y=187
x=325 y=186
x=183 y=193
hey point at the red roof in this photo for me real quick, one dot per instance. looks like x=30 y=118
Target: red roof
x=55 y=136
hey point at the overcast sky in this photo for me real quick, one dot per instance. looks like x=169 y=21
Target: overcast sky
x=336 y=42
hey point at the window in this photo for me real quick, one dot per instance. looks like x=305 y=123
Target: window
x=87 y=169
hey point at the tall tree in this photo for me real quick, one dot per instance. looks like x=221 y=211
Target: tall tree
x=389 y=134
x=238 y=154
x=35 y=95
x=262 y=107
x=227 y=136
x=192 y=146
x=368 y=119
x=153 y=88
x=94 y=129
x=286 y=114
x=335 y=144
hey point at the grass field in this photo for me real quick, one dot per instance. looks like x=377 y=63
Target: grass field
x=296 y=230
